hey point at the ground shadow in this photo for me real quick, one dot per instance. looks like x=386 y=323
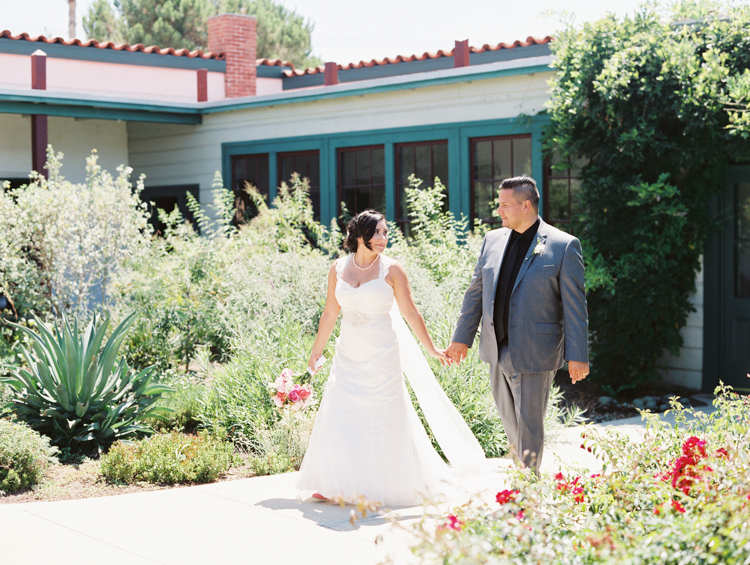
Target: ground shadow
x=328 y=514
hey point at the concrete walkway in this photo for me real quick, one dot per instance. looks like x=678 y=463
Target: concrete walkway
x=255 y=521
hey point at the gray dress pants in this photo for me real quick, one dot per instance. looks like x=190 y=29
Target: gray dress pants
x=521 y=399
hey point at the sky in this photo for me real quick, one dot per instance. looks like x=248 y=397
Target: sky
x=352 y=30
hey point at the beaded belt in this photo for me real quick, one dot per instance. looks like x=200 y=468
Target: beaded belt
x=355 y=318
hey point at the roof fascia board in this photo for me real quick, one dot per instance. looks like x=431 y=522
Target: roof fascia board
x=420 y=66
x=83 y=106
x=121 y=57
x=450 y=76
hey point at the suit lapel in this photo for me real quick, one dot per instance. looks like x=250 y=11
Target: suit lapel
x=541 y=233
x=503 y=246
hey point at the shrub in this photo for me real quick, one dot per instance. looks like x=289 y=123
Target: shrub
x=281 y=447
x=168 y=458
x=238 y=405
x=183 y=402
x=680 y=496
x=61 y=243
x=24 y=456
x=74 y=390
x=651 y=103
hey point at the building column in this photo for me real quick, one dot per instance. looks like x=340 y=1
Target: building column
x=39 y=137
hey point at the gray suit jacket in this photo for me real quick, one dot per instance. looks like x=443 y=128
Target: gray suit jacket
x=547 y=321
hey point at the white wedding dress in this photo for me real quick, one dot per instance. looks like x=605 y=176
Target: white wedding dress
x=367 y=439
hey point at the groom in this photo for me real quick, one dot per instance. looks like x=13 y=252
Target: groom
x=529 y=293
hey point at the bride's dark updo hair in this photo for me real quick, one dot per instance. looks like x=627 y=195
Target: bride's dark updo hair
x=362 y=225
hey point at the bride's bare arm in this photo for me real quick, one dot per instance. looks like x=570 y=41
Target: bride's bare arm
x=409 y=311
x=327 y=320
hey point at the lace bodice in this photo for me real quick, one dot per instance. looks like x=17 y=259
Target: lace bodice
x=373 y=298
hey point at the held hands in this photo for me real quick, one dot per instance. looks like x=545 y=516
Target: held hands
x=577 y=370
x=440 y=354
x=457 y=352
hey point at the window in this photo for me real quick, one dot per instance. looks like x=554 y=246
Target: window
x=252 y=169
x=14 y=182
x=561 y=198
x=166 y=198
x=493 y=160
x=426 y=161
x=307 y=164
x=362 y=178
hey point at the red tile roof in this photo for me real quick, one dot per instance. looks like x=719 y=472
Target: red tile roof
x=401 y=59
x=116 y=47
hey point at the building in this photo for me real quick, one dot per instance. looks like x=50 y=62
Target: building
x=471 y=116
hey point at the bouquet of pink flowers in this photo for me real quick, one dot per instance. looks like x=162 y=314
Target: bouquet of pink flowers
x=288 y=393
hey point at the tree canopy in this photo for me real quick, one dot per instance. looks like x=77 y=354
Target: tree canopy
x=281 y=33
x=655 y=104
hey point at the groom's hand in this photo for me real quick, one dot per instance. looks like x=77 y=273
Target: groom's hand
x=457 y=352
x=577 y=370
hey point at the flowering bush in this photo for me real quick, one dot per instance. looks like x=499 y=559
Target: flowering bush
x=680 y=496
x=62 y=243
x=290 y=394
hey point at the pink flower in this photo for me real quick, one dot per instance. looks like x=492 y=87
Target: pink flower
x=305 y=392
x=280 y=396
x=294 y=394
x=287 y=374
x=278 y=402
x=506 y=496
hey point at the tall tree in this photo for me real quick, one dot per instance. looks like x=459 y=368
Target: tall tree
x=281 y=33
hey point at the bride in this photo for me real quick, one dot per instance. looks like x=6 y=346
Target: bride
x=367 y=439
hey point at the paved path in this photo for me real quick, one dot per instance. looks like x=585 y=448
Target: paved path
x=252 y=521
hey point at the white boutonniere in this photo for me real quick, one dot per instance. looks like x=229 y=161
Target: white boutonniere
x=538 y=248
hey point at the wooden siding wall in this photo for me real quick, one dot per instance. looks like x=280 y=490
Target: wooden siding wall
x=687 y=368
x=171 y=154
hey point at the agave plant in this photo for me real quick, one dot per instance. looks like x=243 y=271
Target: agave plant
x=76 y=392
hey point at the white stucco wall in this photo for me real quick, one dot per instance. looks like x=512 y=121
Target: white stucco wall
x=687 y=368
x=175 y=154
x=73 y=137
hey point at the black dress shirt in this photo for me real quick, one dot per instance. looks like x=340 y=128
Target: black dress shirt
x=518 y=246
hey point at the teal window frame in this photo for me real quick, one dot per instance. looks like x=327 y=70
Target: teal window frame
x=458 y=135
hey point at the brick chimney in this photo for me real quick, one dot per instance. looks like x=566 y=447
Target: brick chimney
x=234 y=35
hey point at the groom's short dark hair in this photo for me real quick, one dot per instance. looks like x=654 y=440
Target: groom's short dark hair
x=525 y=187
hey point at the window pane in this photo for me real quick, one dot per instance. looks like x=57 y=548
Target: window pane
x=502 y=159
x=483 y=160
x=405 y=163
x=261 y=179
x=424 y=163
x=440 y=162
x=314 y=170
x=484 y=201
x=239 y=173
x=402 y=214
x=347 y=169
x=743 y=210
x=286 y=168
x=363 y=168
x=363 y=199
x=378 y=198
x=378 y=166
x=350 y=199
x=522 y=157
